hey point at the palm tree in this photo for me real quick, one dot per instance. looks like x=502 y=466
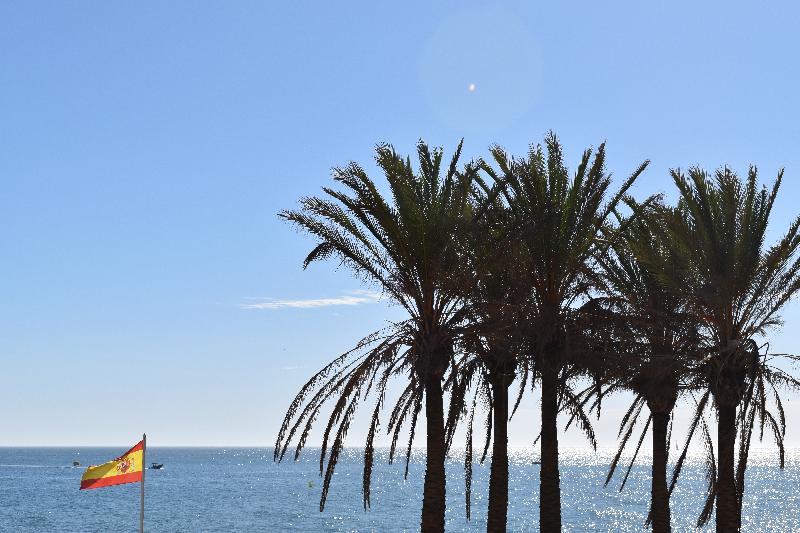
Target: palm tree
x=497 y=296
x=409 y=247
x=736 y=287
x=650 y=341
x=558 y=219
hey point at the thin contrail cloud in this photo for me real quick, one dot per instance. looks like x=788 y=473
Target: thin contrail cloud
x=351 y=298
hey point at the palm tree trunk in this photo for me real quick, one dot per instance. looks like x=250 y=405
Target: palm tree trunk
x=498 y=479
x=549 y=485
x=659 y=502
x=433 y=501
x=727 y=508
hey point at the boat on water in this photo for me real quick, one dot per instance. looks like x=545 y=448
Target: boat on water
x=156 y=466
x=76 y=463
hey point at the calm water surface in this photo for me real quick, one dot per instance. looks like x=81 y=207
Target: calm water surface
x=241 y=489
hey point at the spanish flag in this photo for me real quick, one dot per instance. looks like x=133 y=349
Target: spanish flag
x=127 y=468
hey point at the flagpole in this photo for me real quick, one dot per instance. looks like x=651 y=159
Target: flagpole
x=141 y=507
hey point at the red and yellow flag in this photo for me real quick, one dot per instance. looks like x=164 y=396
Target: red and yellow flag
x=127 y=468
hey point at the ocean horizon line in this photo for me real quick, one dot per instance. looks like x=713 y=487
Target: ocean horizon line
x=354 y=447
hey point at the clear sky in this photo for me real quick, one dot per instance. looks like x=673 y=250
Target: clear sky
x=146 y=283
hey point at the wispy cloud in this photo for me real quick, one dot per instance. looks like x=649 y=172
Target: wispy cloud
x=350 y=298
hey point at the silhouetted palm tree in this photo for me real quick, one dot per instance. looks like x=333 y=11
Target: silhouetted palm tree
x=650 y=342
x=559 y=219
x=736 y=288
x=409 y=247
x=498 y=295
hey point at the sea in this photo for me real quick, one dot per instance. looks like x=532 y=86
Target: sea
x=242 y=489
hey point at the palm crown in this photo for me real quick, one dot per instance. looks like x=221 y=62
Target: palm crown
x=732 y=283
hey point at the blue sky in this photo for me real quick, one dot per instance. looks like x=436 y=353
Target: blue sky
x=145 y=150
